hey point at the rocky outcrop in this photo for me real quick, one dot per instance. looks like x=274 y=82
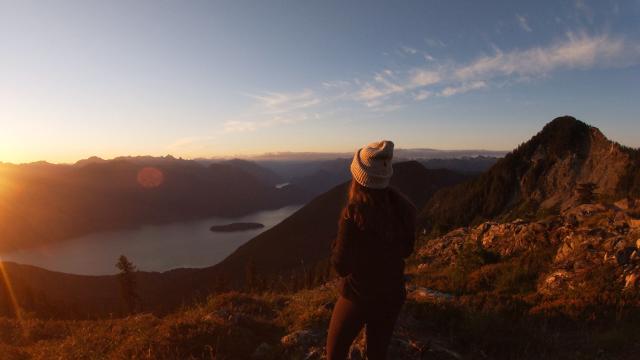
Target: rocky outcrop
x=586 y=239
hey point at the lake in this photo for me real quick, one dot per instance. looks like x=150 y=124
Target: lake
x=149 y=247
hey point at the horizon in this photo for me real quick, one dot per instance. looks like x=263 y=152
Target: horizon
x=239 y=79
x=283 y=156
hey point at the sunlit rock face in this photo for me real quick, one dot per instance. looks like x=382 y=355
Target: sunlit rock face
x=586 y=240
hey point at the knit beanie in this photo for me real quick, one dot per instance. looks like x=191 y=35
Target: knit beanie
x=371 y=165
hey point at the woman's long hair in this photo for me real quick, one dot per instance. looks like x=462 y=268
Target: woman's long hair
x=370 y=209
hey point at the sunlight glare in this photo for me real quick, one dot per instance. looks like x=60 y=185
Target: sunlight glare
x=12 y=296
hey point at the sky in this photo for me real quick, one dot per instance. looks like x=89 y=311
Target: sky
x=232 y=78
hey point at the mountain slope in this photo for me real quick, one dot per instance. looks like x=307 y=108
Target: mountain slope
x=262 y=173
x=540 y=175
x=304 y=238
x=301 y=239
x=41 y=203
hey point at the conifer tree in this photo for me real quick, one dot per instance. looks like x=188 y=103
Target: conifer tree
x=127 y=278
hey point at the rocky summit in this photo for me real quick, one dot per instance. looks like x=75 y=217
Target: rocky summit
x=541 y=175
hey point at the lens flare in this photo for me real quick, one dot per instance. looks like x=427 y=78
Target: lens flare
x=150 y=177
x=12 y=296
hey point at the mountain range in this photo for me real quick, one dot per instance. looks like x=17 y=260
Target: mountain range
x=43 y=203
x=537 y=179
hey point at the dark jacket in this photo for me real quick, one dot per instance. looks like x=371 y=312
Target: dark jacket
x=371 y=265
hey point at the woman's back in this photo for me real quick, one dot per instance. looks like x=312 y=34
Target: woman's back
x=369 y=252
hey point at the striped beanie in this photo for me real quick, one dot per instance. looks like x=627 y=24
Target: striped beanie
x=371 y=165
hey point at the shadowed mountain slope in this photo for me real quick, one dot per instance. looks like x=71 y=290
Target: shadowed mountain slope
x=300 y=240
x=41 y=202
x=304 y=238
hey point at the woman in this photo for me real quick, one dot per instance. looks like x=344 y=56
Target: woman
x=376 y=232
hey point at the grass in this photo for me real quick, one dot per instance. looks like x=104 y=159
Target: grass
x=226 y=326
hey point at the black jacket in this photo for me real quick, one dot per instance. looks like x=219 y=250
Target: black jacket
x=371 y=265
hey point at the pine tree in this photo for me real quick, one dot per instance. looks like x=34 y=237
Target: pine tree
x=127 y=278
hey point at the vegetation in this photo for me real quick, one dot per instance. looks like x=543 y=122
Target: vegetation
x=231 y=325
x=495 y=316
x=127 y=280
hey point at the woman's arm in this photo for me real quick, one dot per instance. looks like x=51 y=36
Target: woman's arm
x=342 y=249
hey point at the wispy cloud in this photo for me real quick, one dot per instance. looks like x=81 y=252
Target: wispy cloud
x=409 y=50
x=388 y=83
x=383 y=84
x=576 y=52
x=522 y=21
x=422 y=95
x=277 y=102
x=434 y=43
x=454 y=90
x=239 y=126
x=392 y=89
x=340 y=84
x=423 y=77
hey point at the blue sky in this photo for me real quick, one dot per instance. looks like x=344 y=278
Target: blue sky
x=211 y=78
